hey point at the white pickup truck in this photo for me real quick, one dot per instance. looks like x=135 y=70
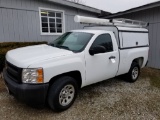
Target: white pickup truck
x=54 y=73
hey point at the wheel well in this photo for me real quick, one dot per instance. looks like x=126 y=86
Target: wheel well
x=75 y=74
x=139 y=61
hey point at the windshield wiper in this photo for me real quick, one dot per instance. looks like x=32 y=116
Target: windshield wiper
x=64 y=47
x=61 y=46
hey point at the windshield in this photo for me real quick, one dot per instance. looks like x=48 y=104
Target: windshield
x=73 y=41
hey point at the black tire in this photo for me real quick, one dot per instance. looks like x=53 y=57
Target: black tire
x=56 y=88
x=130 y=77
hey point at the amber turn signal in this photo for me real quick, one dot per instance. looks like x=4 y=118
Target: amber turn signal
x=40 y=76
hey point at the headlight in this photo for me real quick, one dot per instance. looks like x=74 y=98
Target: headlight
x=32 y=75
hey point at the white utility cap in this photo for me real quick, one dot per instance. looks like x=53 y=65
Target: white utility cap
x=90 y=20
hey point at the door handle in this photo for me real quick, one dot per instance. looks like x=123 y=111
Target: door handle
x=112 y=57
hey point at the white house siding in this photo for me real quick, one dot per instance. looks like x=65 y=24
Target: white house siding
x=20 y=22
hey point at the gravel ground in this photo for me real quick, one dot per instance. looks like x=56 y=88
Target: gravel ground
x=113 y=99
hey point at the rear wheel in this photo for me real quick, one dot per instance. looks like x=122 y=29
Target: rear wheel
x=62 y=93
x=133 y=73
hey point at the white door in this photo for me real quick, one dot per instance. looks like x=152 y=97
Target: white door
x=102 y=66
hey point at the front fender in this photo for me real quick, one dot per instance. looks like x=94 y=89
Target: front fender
x=54 y=67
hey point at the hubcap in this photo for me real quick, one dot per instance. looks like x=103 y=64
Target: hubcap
x=135 y=73
x=66 y=95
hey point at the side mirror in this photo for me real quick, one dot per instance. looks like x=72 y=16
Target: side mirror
x=97 y=50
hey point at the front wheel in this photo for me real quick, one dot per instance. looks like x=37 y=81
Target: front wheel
x=62 y=93
x=133 y=73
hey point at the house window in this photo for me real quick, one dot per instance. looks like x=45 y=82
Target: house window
x=51 y=22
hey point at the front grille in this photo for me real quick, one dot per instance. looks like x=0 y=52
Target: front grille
x=13 y=72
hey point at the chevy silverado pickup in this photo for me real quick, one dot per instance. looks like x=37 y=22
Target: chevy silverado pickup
x=53 y=73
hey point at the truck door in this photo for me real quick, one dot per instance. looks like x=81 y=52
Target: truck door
x=102 y=66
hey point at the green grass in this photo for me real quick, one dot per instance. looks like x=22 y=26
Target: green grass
x=153 y=75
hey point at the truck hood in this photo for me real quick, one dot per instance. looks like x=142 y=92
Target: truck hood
x=24 y=57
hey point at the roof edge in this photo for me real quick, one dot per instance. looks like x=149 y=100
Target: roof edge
x=75 y=5
x=140 y=8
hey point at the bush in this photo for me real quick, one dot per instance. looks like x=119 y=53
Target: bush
x=5 y=47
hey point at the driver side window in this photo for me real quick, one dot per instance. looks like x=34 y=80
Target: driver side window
x=104 y=40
